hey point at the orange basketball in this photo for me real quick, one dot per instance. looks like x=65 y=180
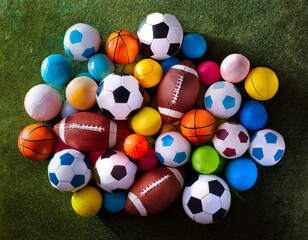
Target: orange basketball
x=36 y=142
x=122 y=47
x=198 y=126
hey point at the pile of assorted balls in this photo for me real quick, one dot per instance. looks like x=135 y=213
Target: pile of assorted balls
x=136 y=134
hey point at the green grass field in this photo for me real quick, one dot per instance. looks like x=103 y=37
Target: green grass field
x=268 y=33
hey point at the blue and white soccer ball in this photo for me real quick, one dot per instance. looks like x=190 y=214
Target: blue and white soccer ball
x=267 y=147
x=69 y=171
x=81 y=41
x=222 y=99
x=172 y=149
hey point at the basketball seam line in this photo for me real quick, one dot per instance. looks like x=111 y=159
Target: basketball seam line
x=34 y=150
x=47 y=139
x=267 y=85
x=125 y=48
x=115 y=49
x=126 y=35
x=195 y=125
x=198 y=127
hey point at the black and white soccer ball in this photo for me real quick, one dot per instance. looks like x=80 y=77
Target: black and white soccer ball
x=160 y=36
x=119 y=96
x=114 y=172
x=206 y=199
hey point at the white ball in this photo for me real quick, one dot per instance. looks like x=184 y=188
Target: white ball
x=43 y=102
x=160 y=36
x=267 y=147
x=222 y=99
x=114 y=171
x=68 y=109
x=206 y=199
x=119 y=96
x=68 y=170
x=81 y=41
x=172 y=149
x=231 y=140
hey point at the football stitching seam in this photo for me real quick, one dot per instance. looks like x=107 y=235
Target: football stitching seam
x=154 y=184
x=177 y=89
x=86 y=127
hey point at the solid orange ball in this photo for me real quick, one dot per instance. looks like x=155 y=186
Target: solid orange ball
x=136 y=146
x=198 y=126
x=36 y=142
x=122 y=47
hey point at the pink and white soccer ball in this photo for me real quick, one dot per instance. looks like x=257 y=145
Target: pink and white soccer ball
x=231 y=140
x=114 y=172
x=43 y=102
x=222 y=99
x=267 y=147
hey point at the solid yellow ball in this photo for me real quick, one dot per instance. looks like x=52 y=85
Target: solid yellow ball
x=87 y=201
x=81 y=93
x=146 y=122
x=148 y=72
x=261 y=83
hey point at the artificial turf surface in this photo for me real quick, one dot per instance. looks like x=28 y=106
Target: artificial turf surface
x=268 y=33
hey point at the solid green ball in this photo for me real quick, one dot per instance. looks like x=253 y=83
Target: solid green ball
x=206 y=160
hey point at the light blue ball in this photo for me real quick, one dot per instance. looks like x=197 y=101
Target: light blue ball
x=114 y=202
x=99 y=66
x=85 y=74
x=168 y=63
x=241 y=174
x=194 y=45
x=56 y=70
x=253 y=115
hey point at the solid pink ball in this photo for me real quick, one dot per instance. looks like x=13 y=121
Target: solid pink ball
x=208 y=73
x=148 y=162
x=234 y=68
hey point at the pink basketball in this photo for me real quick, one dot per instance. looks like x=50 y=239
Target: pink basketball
x=234 y=68
x=208 y=73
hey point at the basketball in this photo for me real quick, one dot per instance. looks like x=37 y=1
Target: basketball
x=261 y=84
x=198 y=126
x=122 y=47
x=36 y=142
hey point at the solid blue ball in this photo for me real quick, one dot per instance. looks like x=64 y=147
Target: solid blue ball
x=194 y=45
x=85 y=74
x=241 y=174
x=99 y=66
x=56 y=70
x=168 y=63
x=253 y=115
x=114 y=202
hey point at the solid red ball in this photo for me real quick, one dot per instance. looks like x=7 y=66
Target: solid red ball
x=209 y=73
x=136 y=146
x=148 y=162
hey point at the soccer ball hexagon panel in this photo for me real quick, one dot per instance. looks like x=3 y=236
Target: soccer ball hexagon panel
x=160 y=36
x=207 y=199
x=119 y=96
x=69 y=171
